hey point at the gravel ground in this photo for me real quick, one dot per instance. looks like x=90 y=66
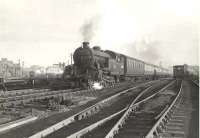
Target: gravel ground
x=192 y=94
x=116 y=105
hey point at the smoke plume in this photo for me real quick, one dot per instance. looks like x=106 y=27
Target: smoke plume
x=146 y=51
x=150 y=53
x=88 y=29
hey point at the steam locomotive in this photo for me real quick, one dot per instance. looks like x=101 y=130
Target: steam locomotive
x=106 y=67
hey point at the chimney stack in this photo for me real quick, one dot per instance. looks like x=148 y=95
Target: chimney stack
x=85 y=44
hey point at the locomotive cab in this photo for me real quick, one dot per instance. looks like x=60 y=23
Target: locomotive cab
x=116 y=65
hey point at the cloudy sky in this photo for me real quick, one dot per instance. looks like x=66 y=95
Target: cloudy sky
x=44 y=32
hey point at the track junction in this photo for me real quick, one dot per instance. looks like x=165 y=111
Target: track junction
x=151 y=109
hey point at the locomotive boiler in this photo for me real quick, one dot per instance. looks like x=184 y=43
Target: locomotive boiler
x=90 y=64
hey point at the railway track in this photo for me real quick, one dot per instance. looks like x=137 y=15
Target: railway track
x=137 y=123
x=31 y=92
x=114 y=106
x=14 y=93
x=22 y=92
x=16 y=97
x=172 y=123
x=124 y=121
x=19 y=92
x=34 y=95
x=45 y=126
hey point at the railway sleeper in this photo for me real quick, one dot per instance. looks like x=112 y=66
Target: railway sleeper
x=88 y=113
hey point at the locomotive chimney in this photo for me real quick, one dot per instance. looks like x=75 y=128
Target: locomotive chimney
x=85 y=44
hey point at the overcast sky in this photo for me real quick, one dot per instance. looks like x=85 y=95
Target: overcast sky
x=44 y=32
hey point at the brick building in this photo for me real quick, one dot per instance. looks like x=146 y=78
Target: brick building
x=9 y=69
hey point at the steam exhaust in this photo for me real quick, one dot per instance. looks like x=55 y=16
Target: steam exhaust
x=97 y=86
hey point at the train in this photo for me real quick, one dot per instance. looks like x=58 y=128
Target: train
x=106 y=67
x=183 y=71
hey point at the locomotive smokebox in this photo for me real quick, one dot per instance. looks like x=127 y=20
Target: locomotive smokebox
x=85 y=44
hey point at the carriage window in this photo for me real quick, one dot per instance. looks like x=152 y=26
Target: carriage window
x=118 y=59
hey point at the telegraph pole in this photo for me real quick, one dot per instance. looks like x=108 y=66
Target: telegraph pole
x=22 y=68
x=71 y=58
x=68 y=62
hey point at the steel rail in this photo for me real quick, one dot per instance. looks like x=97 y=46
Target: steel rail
x=82 y=114
x=162 y=112
x=35 y=96
x=132 y=108
x=154 y=131
x=93 y=126
x=20 y=92
x=17 y=123
x=34 y=93
x=197 y=84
